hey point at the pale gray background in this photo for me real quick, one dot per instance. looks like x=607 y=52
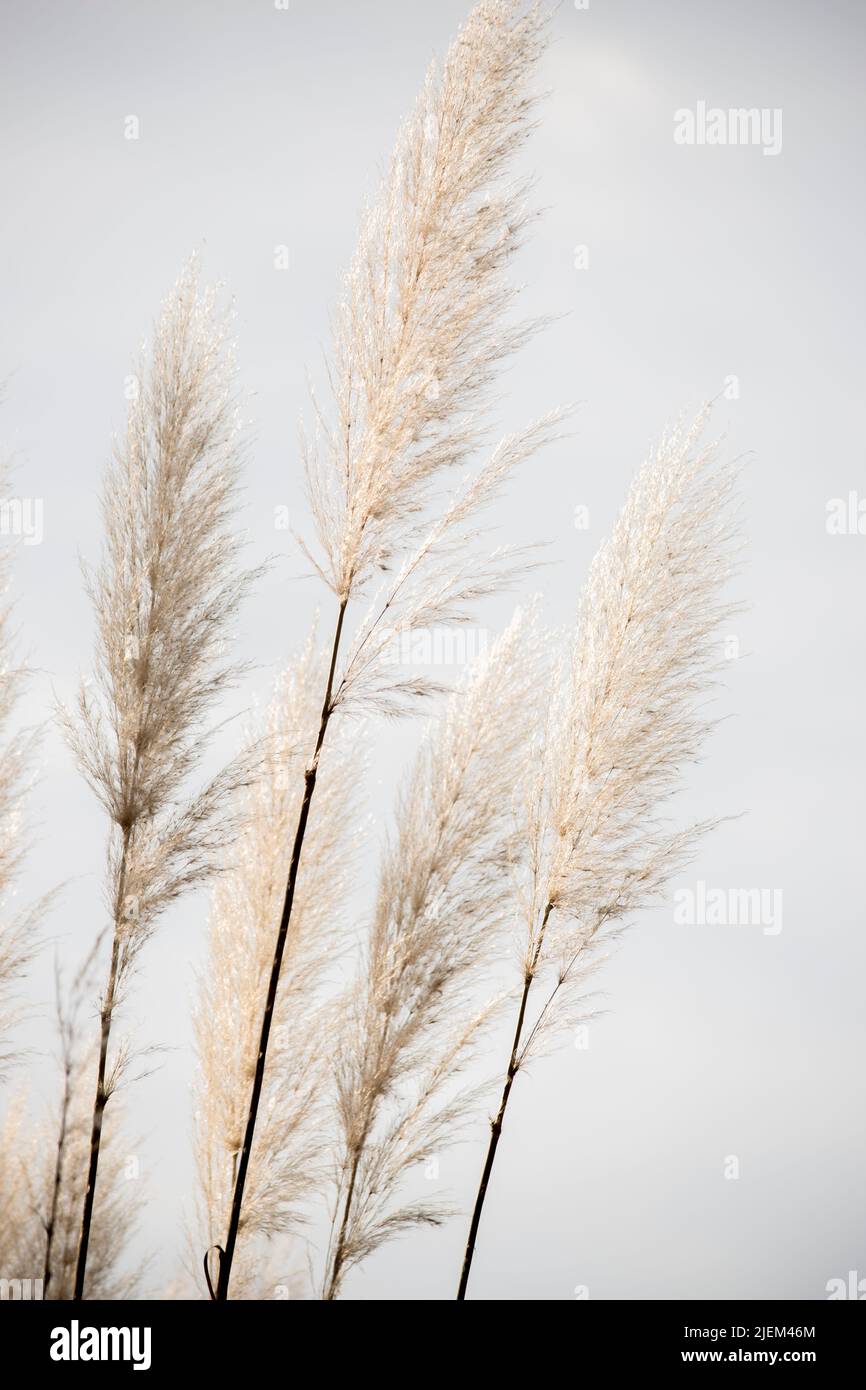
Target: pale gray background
x=261 y=127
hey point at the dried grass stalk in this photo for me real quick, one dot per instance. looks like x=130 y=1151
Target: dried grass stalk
x=443 y=897
x=165 y=596
x=627 y=714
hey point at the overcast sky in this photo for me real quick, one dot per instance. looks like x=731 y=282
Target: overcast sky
x=677 y=272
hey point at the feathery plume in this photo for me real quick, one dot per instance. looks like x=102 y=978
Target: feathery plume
x=422 y=326
x=443 y=895
x=627 y=714
x=164 y=596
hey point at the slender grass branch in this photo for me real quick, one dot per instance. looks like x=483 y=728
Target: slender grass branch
x=57 y=1180
x=100 y=1098
x=496 y=1124
x=626 y=713
x=165 y=595
x=340 y=1249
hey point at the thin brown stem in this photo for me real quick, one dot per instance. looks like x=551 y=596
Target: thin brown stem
x=101 y=1098
x=227 y=1255
x=59 y=1160
x=99 y=1103
x=340 y=1250
x=496 y=1124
